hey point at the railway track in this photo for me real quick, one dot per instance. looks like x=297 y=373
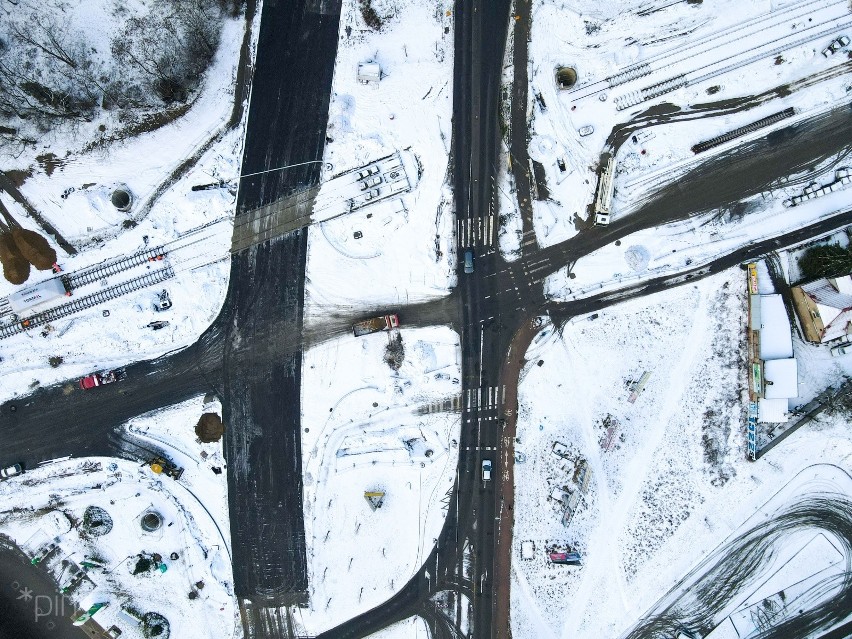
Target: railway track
x=672 y=84
x=743 y=130
x=83 y=303
x=113 y=267
x=697 y=48
x=110 y=268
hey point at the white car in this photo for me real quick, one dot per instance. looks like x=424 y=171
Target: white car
x=365 y=173
x=835 y=46
x=371 y=195
x=11 y=471
x=586 y=130
x=486 y=470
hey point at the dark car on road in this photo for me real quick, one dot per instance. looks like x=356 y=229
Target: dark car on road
x=468 y=261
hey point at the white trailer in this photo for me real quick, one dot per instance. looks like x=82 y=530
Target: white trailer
x=46 y=291
x=605 y=189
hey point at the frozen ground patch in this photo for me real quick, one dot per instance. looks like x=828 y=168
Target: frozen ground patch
x=367 y=429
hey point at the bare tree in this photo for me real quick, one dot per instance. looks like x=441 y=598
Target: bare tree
x=51 y=73
x=46 y=36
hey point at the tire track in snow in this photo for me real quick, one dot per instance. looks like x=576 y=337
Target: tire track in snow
x=603 y=549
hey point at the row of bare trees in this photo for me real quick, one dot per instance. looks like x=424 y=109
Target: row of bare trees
x=50 y=72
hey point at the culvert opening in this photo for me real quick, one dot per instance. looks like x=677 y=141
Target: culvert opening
x=566 y=77
x=121 y=199
x=151 y=521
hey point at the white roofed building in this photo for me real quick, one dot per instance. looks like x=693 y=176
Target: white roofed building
x=777 y=369
x=776 y=341
x=780 y=379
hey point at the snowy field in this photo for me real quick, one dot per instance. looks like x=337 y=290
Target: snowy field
x=706 y=43
x=362 y=432
x=406 y=249
x=654 y=485
x=362 y=427
x=194 y=524
x=669 y=475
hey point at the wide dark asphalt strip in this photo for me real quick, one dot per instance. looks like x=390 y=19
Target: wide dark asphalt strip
x=250 y=356
x=261 y=361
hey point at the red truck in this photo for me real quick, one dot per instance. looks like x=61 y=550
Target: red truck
x=376 y=324
x=99 y=379
x=570 y=558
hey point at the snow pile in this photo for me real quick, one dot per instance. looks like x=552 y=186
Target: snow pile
x=368 y=428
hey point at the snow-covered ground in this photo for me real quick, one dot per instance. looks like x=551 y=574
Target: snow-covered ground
x=406 y=249
x=49 y=504
x=92 y=340
x=363 y=430
x=668 y=476
x=702 y=42
x=673 y=481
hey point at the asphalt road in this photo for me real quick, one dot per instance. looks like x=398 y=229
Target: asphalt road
x=261 y=367
x=250 y=357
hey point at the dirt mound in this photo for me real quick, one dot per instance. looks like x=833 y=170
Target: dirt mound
x=209 y=428
x=34 y=248
x=16 y=269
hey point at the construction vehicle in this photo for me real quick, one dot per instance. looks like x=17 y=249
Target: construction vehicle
x=162 y=466
x=376 y=324
x=101 y=379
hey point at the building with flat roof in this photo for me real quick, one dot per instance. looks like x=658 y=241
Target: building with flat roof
x=776 y=341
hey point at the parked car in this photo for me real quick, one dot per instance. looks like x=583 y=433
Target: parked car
x=586 y=130
x=843 y=349
x=468 y=261
x=371 y=195
x=369 y=182
x=486 y=470
x=835 y=46
x=11 y=471
x=100 y=379
x=370 y=170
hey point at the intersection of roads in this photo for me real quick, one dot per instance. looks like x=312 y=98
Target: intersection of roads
x=251 y=355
